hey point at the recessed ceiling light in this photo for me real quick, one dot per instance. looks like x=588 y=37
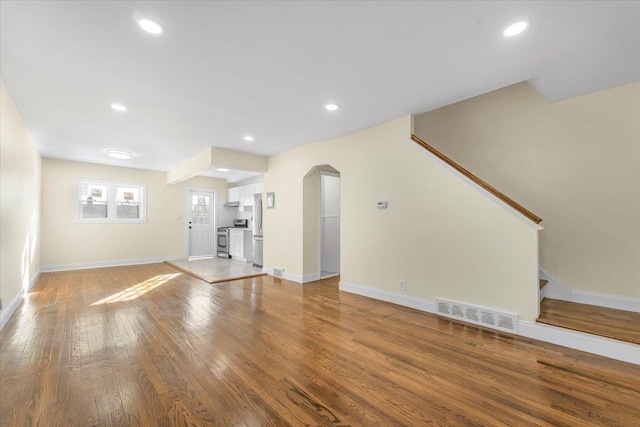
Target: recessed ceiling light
x=151 y=26
x=516 y=28
x=248 y=138
x=222 y=169
x=118 y=107
x=119 y=154
x=331 y=107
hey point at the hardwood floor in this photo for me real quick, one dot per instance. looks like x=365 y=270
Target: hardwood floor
x=607 y=322
x=216 y=270
x=151 y=346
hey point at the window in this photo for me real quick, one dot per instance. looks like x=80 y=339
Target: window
x=109 y=202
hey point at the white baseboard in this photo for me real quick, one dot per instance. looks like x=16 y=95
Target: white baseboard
x=388 y=296
x=606 y=347
x=293 y=277
x=11 y=308
x=102 y=264
x=287 y=276
x=605 y=300
x=310 y=277
x=556 y=290
x=601 y=346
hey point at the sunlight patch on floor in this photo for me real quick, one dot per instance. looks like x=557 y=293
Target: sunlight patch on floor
x=137 y=290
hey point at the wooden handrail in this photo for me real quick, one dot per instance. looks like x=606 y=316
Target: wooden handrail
x=478 y=181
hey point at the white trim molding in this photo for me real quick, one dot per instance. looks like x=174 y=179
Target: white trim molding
x=287 y=276
x=6 y=313
x=605 y=300
x=310 y=277
x=601 y=346
x=556 y=290
x=388 y=296
x=102 y=264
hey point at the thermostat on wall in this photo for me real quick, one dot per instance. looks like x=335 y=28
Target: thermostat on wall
x=383 y=204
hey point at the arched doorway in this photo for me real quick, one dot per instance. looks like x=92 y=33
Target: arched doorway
x=321 y=223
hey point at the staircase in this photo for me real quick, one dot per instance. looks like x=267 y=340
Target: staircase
x=602 y=321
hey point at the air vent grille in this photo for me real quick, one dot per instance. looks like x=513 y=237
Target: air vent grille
x=278 y=272
x=490 y=318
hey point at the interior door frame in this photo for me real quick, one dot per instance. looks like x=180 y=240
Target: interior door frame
x=214 y=223
x=320 y=210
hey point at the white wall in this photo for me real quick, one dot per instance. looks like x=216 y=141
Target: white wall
x=439 y=234
x=67 y=244
x=20 y=201
x=575 y=163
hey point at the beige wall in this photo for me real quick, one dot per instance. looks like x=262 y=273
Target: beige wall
x=311 y=213
x=65 y=243
x=439 y=234
x=575 y=163
x=20 y=201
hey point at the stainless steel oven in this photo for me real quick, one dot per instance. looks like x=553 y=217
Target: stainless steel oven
x=223 y=242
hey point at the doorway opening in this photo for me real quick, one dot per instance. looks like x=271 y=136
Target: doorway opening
x=200 y=224
x=329 y=228
x=321 y=223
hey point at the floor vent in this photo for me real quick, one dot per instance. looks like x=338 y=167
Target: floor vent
x=278 y=272
x=488 y=317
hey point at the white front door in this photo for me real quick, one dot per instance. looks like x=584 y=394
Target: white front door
x=201 y=232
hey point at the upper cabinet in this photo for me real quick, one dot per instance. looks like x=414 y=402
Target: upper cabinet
x=233 y=195
x=244 y=194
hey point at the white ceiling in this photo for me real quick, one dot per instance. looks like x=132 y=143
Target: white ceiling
x=223 y=70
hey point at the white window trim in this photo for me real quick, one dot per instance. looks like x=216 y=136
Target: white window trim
x=111 y=197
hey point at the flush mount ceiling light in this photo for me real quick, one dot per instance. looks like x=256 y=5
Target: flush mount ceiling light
x=331 y=107
x=119 y=154
x=118 y=107
x=150 y=26
x=516 y=28
x=222 y=169
x=248 y=138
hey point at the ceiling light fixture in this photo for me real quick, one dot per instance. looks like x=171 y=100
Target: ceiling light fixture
x=248 y=138
x=119 y=154
x=516 y=28
x=118 y=107
x=331 y=107
x=150 y=26
x=222 y=169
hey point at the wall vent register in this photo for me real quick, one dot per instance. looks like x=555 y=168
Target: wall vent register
x=501 y=320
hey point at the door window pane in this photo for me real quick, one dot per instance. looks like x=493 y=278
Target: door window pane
x=200 y=210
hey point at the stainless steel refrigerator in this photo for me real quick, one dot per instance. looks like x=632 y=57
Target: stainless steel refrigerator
x=257 y=230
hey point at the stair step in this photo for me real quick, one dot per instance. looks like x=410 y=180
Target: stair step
x=607 y=322
x=542 y=283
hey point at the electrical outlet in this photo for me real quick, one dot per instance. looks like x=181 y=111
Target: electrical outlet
x=403 y=285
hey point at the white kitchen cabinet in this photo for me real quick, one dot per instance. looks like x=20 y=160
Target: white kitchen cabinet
x=247 y=195
x=233 y=194
x=241 y=244
x=244 y=195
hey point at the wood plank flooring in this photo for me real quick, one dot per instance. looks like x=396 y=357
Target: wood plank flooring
x=216 y=270
x=150 y=346
x=607 y=322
